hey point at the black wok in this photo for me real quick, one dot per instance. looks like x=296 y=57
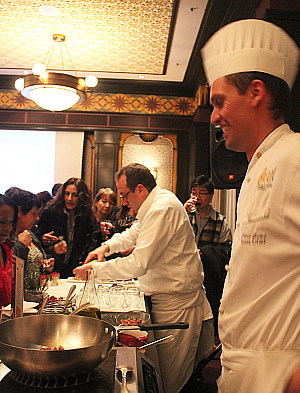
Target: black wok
x=86 y=342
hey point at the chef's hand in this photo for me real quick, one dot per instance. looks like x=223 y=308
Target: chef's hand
x=82 y=271
x=49 y=238
x=97 y=254
x=25 y=238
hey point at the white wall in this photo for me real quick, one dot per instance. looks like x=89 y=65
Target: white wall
x=35 y=160
x=68 y=155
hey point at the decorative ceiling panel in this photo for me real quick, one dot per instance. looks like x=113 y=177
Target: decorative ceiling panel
x=122 y=36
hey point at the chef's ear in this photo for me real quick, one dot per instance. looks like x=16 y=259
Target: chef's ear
x=258 y=92
x=141 y=190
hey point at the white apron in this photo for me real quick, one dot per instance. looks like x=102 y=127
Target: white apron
x=177 y=358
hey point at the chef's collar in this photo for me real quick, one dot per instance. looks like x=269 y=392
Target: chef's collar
x=145 y=206
x=268 y=142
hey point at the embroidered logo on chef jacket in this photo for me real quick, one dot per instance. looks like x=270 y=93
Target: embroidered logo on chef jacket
x=255 y=239
x=266 y=179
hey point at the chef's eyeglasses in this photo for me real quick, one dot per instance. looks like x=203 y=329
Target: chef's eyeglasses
x=127 y=193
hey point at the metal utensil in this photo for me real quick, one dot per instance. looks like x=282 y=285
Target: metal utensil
x=45 y=284
x=45 y=299
x=70 y=293
x=162 y=340
x=80 y=308
x=124 y=370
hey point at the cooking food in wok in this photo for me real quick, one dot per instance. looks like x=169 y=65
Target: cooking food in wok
x=86 y=343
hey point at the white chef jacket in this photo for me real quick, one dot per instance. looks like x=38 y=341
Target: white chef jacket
x=259 y=318
x=167 y=263
x=165 y=258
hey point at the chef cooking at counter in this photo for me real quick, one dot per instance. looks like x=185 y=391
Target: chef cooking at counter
x=167 y=263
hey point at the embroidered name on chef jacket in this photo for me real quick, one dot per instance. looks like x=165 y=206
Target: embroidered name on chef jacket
x=255 y=239
x=266 y=179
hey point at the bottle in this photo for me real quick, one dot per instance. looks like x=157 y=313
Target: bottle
x=90 y=295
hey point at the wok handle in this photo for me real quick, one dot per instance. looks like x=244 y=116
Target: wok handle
x=165 y=326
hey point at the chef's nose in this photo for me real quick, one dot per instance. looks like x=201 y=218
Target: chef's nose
x=215 y=117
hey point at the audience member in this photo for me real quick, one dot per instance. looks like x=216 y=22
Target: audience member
x=104 y=203
x=8 y=218
x=213 y=238
x=124 y=218
x=55 y=189
x=167 y=263
x=44 y=197
x=25 y=243
x=251 y=66
x=103 y=206
x=67 y=221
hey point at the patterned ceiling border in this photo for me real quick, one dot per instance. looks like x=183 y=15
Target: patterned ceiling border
x=120 y=103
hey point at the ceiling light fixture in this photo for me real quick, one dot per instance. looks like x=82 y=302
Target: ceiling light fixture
x=49 y=10
x=54 y=91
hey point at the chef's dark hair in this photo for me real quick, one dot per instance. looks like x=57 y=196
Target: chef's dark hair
x=205 y=182
x=277 y=88
x=137 y=174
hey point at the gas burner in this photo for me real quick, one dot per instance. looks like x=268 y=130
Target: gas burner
x=69 y=381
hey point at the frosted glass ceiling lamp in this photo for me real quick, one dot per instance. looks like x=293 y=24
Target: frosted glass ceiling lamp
x=54 y=91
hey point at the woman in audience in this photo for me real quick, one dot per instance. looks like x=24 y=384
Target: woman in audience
x=44 y=197
x=103 y=208
x=124 y=218
x=103 y=205
x=8 y=217
x=25 y=243
x=68 y=220
x=55 y=189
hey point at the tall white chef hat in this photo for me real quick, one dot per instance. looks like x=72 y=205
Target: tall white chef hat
x=251 y=45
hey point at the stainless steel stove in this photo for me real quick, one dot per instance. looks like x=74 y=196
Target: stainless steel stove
x=104 y=379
